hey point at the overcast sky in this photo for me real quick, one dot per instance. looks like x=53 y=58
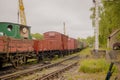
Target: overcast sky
x=49 y=15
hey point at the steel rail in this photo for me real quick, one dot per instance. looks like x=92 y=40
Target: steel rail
x=56 y=73
x=30 y=71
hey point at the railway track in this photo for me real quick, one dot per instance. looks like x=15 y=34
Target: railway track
x=57 y=73
x=35 y=69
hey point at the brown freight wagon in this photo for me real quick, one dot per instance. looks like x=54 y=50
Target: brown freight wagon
x=54 y=43
x=42 y=49
x=60 y=40
x=3 y=43
x=14 y=50
x=72 y=45
x=41 y=45
x=76 y=45
x=20 y=45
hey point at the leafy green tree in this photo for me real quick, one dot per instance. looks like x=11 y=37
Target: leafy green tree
x=37 y=36
x=109 y=19
x=89 y=40
x=81 y=39
x=92 y=16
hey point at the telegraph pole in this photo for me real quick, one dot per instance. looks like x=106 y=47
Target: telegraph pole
x=64 y=29
x=96 y=2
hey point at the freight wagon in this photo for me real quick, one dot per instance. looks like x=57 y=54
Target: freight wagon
x=72 y=45
x=54 y=43
x=60 y=39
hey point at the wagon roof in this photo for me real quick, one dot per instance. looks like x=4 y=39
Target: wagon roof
x=53 y=31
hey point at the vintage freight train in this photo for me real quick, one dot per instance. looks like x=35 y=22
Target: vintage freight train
x=17 y=45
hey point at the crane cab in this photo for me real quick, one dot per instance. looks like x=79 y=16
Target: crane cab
x=15 y=30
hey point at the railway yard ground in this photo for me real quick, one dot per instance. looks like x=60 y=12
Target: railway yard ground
x=92 y=67
x=83 y=66
x=64 y=40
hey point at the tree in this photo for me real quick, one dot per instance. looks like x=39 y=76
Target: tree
x=37 y=36
x=109 y=19
x=89 y=40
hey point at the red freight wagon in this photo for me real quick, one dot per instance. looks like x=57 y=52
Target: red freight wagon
x=45 y=45
x=11 y=45
x=58 y=41
x=76 y=43
x=3 y=47
x=15 y=50
x=41 y=45
x=72 y=44
x=65 y=41
x=55 y=45
x=17 y=45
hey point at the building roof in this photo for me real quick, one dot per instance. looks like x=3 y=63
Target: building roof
x=114 y=33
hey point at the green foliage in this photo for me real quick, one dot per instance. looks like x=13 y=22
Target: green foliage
x=81 y=39
x=89 y=40
x=94 y=66
x=118 y=37
x=55 y=57
x=85 y=52
x=37 y=36
x=109 y=19
x=92 y=16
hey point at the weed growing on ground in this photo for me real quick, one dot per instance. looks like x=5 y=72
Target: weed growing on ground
x=95 y=65
x=55 y=57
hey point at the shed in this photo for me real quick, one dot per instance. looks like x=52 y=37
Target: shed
x=113 y=38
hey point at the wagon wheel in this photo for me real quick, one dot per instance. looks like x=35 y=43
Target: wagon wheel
x=1 y=64
x=61 y=54
x=15 y=63
x=25 y=59
x=39 y=58
x=21 y=60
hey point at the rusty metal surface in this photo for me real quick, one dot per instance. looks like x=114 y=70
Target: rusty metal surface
x=72 y=44
x=57 y=38
x=11 y=45
x=3 y=44
x=52 y=41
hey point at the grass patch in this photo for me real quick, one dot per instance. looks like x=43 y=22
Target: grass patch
x=94 y=66
x=55 y=57
x=31 y=61
x=85 y=51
